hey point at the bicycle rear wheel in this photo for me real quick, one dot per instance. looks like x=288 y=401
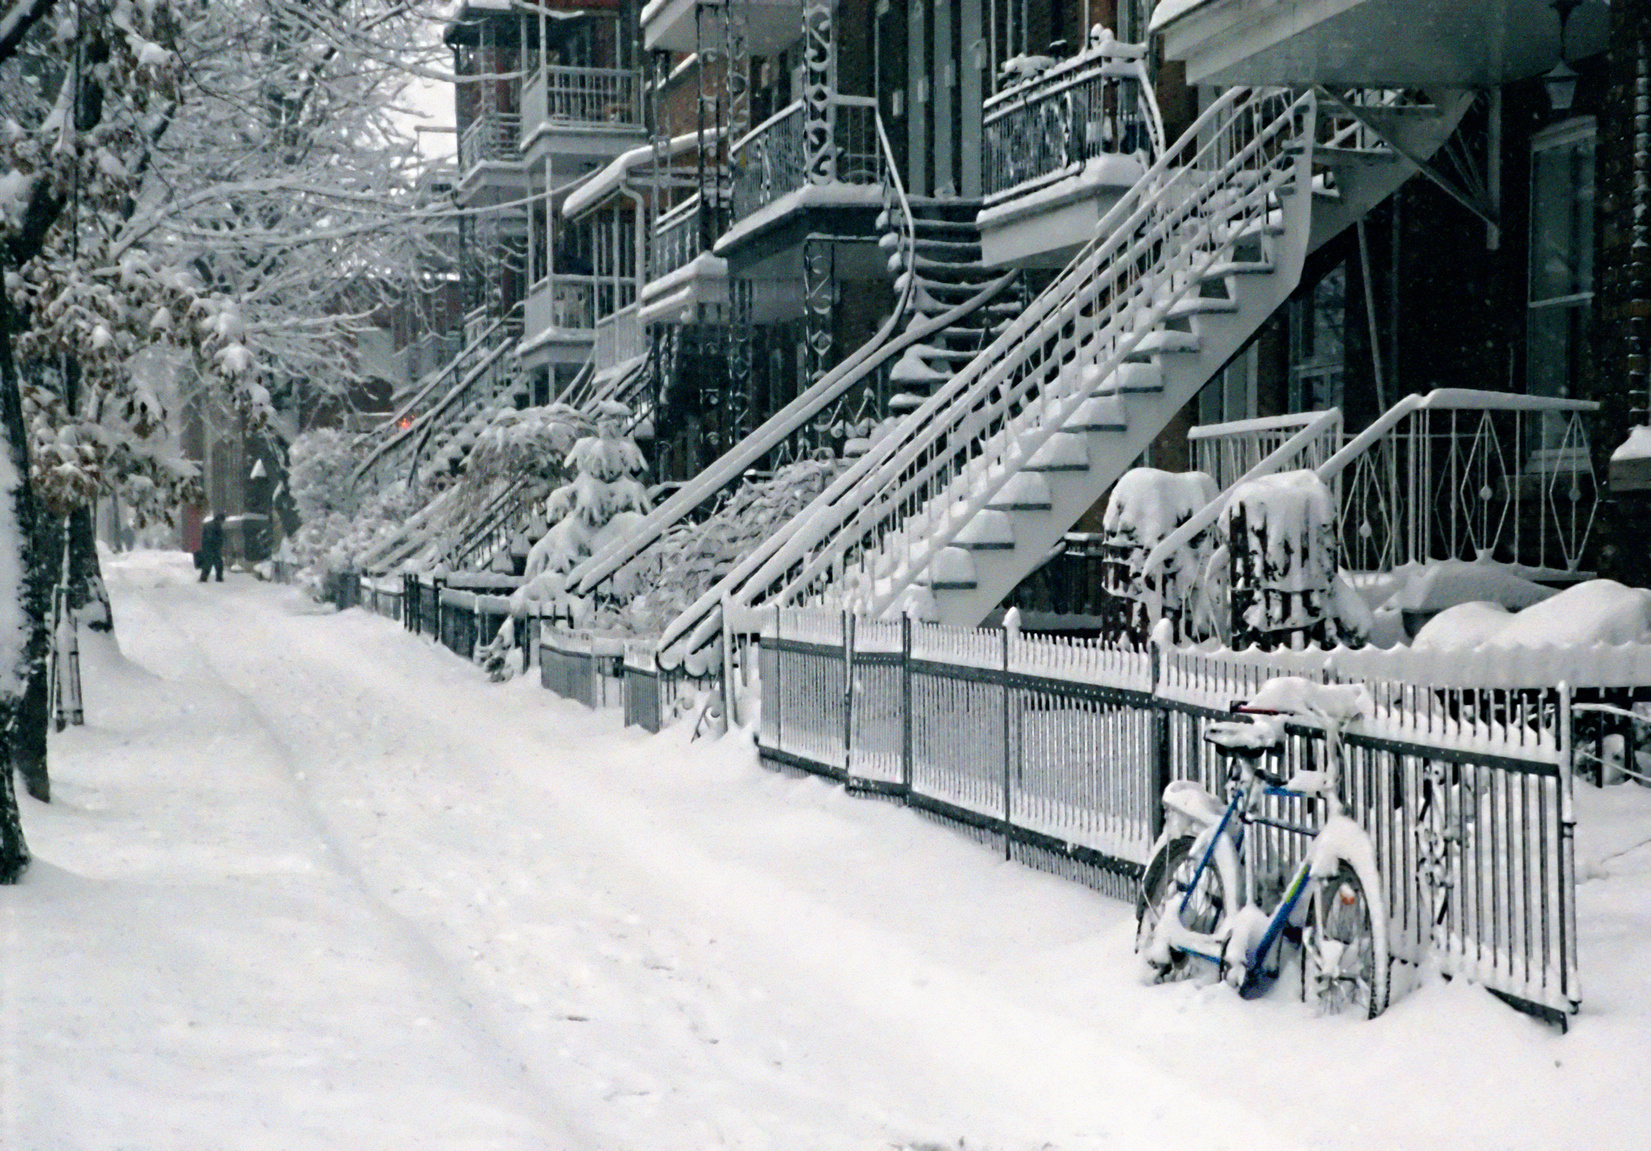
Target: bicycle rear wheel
x=1345 y=964
x=1168 y=874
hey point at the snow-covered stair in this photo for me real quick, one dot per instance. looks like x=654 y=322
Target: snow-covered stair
x=978 y=483
x=946 y=267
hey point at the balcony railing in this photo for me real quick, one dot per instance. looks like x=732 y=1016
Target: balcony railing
x=490 y=137
x=676 y=239
x=1096 y=104
x=773 y=159
x=575 y=303
x=618 y=338
x=584 y=97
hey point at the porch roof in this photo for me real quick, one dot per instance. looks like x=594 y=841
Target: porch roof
x=1376 y=43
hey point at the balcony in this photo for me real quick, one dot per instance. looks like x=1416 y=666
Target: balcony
x=770 y=25
x=577 y=116
x=681 y=274
x=1373 y=43
x=1061 y=147
x=775 y=176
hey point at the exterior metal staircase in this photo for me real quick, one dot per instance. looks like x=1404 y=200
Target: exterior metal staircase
x=945 y=269
x=438 y=425
x=981 y=480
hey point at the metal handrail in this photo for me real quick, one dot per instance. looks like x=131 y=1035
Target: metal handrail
x=979 y=413
x=460 y=363
x=876 y=351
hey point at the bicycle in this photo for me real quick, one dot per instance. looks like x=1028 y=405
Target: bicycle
x=1331 y=908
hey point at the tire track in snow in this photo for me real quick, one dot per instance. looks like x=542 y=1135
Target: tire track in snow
x=420 y=951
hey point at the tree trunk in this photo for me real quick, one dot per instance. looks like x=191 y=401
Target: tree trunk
x=88 y=597
x=14 y=851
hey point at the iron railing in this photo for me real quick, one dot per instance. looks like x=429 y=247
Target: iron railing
x=677 y=239
x=774 y=158
x=588 y=98
x=1096 y=104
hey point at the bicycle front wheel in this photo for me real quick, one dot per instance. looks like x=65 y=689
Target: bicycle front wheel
x=1167 y=877
x=1345 y=964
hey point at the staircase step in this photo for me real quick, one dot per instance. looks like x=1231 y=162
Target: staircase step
x=1133 y=377
x=1061 y=452
x=1024 y=492
x=1161 y=342
x=988 y=531
x=1236 y=268
x=1201 y=305
x=953 y=570
x=1098 y=414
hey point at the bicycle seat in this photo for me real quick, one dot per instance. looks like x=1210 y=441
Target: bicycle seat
x=1246 y=739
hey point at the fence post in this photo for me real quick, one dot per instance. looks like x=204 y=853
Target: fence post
x=1007 y=757
x=849 y=622
x=1160 y=752
x=1569 y=977
x=779 y=700
x=905 y=704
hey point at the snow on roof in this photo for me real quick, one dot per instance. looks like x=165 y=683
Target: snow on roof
x=605 y=181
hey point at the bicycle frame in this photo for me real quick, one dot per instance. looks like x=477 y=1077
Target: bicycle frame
x=1249 y=963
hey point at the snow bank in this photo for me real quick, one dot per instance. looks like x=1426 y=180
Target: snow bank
x=1596 y=612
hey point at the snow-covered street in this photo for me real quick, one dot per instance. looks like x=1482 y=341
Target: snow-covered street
x=309 y=881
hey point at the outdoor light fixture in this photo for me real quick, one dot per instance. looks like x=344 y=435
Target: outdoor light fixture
x=1561 y=79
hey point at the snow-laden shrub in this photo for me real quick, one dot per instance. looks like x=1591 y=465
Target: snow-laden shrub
x=604 y=499
x=1280 y=543
x=1146 y=506
x=319 y=474
x=651 y=590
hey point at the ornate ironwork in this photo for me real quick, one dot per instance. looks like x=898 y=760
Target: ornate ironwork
x=819 y=86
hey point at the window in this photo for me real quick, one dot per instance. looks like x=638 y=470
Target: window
x=1561 y=258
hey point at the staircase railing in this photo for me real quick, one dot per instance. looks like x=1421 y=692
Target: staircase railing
x=883 y=347
x=1228 y=451
x=1458 y=474
x=506 y=514
x=875 y=529
x=413 y=417
x=1452 y=474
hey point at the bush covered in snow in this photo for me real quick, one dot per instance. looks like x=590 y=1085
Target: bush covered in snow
x=604 y=499
x=651 y=590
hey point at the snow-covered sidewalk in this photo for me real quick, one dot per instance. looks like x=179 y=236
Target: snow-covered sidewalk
x=311 y=882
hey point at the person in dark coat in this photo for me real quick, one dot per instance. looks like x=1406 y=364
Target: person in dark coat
x=212 y=547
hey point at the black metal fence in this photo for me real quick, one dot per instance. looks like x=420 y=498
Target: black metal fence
x=1060 y=750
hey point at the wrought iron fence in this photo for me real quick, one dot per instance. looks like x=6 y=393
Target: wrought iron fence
x=578 y=665
x=654 y=696
x=1462 y=775
x=1097 y=104
x=381 y=596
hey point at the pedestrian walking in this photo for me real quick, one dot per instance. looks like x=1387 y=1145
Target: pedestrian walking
x=212 y=547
